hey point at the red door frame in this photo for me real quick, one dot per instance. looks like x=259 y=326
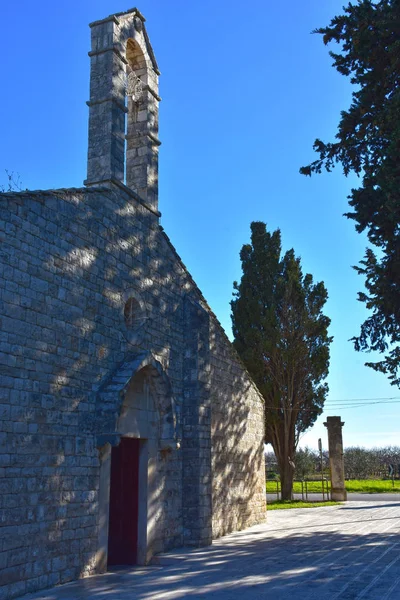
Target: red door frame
x=124 y=503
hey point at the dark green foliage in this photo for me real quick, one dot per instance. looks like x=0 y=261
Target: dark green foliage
x=368 y=144
x=306 y=462
x=362 y=463
x=359 y=464
x=282 y=337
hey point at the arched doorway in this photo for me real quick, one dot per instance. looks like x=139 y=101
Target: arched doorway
x=132 y=474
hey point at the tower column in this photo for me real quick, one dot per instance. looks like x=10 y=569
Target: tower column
x=106 y=152
x=142 y=126
x=336 y=462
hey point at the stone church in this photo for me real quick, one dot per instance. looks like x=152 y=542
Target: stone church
x=128 y=424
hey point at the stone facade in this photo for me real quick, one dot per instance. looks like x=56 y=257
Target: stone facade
x=104 y=335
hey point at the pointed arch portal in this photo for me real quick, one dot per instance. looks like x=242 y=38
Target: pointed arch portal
x=136 y=423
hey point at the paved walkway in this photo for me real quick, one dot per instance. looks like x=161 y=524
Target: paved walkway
x=342 y=552
x=316 y=497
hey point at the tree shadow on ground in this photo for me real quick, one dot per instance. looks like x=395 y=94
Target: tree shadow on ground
x=369 y=507
x=258 y=564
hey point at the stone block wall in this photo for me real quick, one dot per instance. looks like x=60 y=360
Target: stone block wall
x=196 y=426
x=66 y=259
x=237 y=441
x=69 y=259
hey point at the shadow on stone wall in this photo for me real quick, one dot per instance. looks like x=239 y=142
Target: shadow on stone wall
x=69 y=258
x=237 y=442
x=72 y=259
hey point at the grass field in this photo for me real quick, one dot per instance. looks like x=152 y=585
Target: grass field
x=284 y=504
x=368 y=486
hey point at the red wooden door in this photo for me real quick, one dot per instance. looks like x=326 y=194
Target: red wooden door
x=124 y=496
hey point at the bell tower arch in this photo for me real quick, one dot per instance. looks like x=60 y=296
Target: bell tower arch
x=123 y=106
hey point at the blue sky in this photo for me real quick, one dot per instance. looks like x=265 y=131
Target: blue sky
x=246 y=89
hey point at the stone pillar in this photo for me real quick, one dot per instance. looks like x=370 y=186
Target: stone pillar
x=196 y=430
x=106 y=151
x=336 y=462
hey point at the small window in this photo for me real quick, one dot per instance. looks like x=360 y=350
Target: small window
x=134 y=316
x=132 y=313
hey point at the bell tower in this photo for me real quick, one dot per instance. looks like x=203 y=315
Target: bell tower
x=123 y=106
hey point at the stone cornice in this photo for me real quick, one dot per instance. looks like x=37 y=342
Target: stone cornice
x=147 y=88
x=109 y=49
x=136 y=134
x=109 y=99
x=106 y=20
x=129 y=12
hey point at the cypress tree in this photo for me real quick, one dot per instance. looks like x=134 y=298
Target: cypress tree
x=282 y=337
